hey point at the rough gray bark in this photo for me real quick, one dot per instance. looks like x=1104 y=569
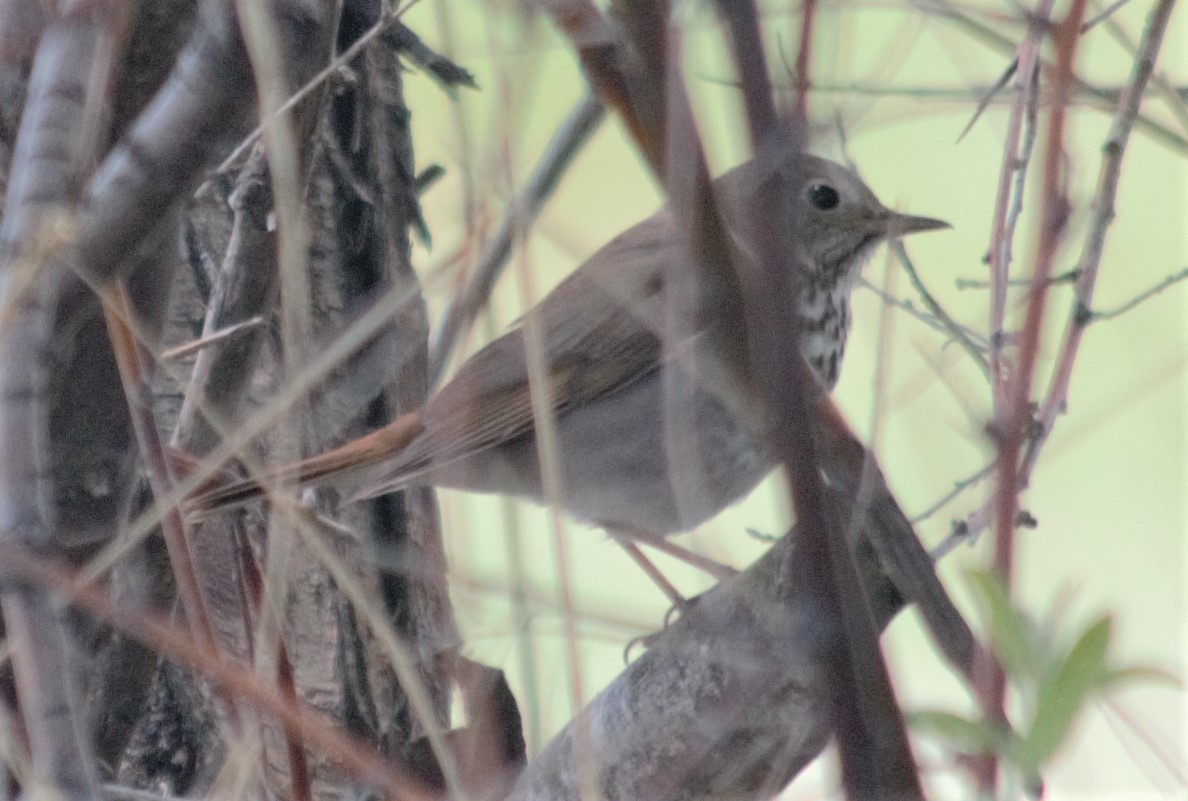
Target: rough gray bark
x=184 y=96
x=729 y=702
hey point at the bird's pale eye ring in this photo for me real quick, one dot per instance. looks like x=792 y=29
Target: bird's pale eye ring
x=823 y=197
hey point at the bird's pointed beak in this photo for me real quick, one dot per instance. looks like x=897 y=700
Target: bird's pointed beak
x=903 y=224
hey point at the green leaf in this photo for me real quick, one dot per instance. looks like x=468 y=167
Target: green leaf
x=958 y=733
x=1012 y=634
x=1064 y=689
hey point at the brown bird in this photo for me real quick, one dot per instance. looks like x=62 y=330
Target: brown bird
x=608 y=375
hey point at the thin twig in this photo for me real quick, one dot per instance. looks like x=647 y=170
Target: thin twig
x=131 y=361
x=985 y=33
x=1103 y=15
x=1175 y=98
x=924 y=317
x=951 y=326
x=975 y=283
x=182 y=351
x=904 y=305
x=1030 y=129
x=345 y=57
x=574 y=132
x=958 y=488
x=988 y=96
x=1168 y=758
x=801 y=75
x=1014 y=163
x=1099 y=97
x=1174 y=278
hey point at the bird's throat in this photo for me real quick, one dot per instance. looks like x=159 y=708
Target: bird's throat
x=824 y=322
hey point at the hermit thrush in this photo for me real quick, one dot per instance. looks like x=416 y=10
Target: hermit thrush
x=608 y=373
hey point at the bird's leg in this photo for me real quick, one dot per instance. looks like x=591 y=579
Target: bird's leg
x=624 y=534
x=653 y=572
x=677 y=600
x=627 y=537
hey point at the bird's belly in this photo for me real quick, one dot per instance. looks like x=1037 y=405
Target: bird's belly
x=618 y=469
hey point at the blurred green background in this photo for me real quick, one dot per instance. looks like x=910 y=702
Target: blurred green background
x=1109 y=491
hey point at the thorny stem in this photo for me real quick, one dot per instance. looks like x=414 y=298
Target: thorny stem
x=983 y=32
x=1011 y=398
x=1082 y=315
x=803 y=50
x=1103 y=214
x=958 y=488
x=1014 y=163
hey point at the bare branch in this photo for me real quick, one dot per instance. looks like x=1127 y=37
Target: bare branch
x=1103 y=15
x=132 y=363
x=955 y=15
x=1011 y=402
x=948 y=324
x=1141 y=297
x=1014 y=163
x=958 y=488
x=209 y=340
x=738 y=720
x=1103 y=215
x=876 y=761
x=988 y=96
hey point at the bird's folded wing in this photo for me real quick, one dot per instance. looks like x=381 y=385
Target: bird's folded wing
x=601 y=332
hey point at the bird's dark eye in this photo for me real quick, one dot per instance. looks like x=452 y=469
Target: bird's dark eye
x=823 y=197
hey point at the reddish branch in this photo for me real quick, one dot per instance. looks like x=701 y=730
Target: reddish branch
x=1084 y=275
x=1012 y=422
x=984 y=33
x=132 y=361
x=808 y=10
x=594 y=39
x=875 y=752
x=1014 y=166
x=876 y=760
x=1089 y=264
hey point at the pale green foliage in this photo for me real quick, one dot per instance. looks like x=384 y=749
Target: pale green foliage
x=1053 y=668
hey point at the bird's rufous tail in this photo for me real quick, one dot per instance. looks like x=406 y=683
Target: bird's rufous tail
x=365 y=451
